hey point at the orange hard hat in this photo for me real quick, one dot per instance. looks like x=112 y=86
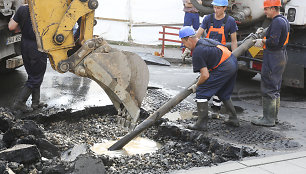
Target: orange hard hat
x=272 y=3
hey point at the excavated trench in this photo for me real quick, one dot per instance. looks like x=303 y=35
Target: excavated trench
x=73 y=133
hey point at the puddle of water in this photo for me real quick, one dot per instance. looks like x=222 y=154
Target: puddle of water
x=182 y=115
x=138 y=145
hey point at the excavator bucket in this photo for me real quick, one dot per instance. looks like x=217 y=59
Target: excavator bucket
x=124 y=76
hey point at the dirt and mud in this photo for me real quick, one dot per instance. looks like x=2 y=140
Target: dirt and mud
x=181 y=148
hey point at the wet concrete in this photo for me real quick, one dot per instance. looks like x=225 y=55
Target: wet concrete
x=139 y=145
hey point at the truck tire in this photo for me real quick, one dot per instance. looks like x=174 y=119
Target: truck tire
x=245 y=75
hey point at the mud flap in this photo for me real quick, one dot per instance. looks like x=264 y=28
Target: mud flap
x=124 y=76
x=293 y=76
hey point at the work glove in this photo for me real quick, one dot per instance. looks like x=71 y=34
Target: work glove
x=186 y=54
x=193 y=88
x=258 y=43
x=259 y=30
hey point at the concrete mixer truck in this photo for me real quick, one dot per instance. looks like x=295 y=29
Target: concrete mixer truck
x=249 y=16
x=9 y=41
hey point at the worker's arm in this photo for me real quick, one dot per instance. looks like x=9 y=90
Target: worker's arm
x=200 y=32
x=13 y=26
x=204 y=75
x=234 y=41
x=188 y=4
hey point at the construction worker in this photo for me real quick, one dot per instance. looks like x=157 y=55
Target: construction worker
x=274 y=62
x=218 y=70
x=219 y=26
x=191 y=17
x=35 y=62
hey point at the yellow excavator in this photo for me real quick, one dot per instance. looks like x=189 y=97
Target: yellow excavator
x=124 y=76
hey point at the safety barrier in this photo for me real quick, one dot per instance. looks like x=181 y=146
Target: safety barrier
x=163 y=39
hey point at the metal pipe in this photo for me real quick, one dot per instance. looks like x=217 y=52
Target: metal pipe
x=152 y=119
x=229 y=44
x=247 y=43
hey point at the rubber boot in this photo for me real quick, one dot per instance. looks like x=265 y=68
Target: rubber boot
x=269 y=112
x=20 y=103
x=36 y=98
x=277 y=108
x=201 y=123
x=233 y=119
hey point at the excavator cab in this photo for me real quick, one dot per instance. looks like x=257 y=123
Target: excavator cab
x=124 y=76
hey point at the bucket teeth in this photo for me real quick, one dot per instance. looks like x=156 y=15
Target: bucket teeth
x=132 y=126
x=121 y=121
x=126 y=122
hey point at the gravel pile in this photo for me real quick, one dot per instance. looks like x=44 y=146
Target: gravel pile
x=65 y=130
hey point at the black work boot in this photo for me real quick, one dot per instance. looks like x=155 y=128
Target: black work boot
x=20 y=103
x=269 y=110
x=201 y=123
x=232 y=119
x=277 y=108
x=36 y=98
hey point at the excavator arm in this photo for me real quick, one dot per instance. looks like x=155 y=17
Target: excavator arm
x=123 y=75
x=53 y=22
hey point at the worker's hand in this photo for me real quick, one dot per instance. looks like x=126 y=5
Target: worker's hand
x=186 y=54
x=258 y=43
x=259 y=30
x=193 y=88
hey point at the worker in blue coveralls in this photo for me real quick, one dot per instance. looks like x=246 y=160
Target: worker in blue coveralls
x=220 y=27
x=218 y=70
x=191 y=17
x=35 y=62
x=274 y=62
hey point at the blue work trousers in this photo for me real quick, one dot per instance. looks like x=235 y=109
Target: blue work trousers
x=273 y=66
x=221 y=81
x=192 y=19
x=35 y=63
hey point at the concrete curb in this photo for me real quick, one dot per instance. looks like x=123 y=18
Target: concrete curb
x=287 y=163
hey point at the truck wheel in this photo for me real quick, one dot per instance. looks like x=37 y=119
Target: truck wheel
x=245 y=74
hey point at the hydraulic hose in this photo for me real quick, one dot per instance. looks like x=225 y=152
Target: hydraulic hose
x=202 y=9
